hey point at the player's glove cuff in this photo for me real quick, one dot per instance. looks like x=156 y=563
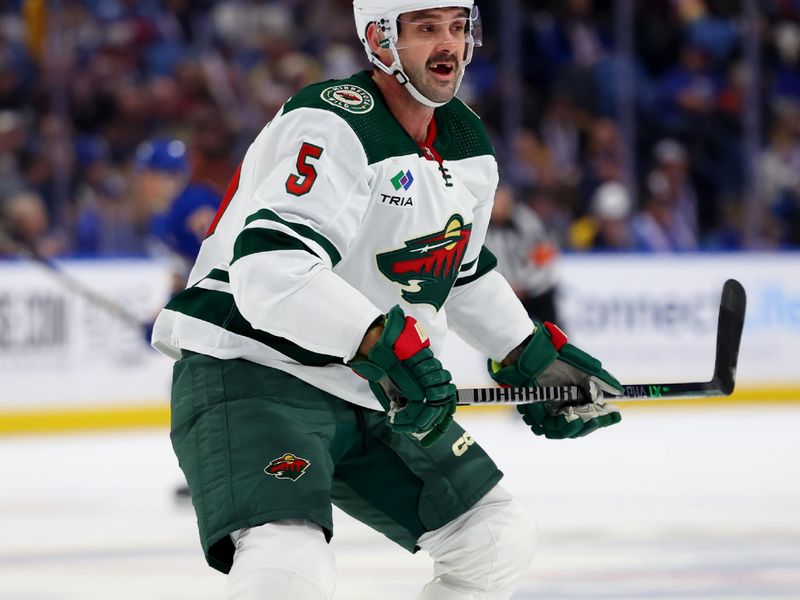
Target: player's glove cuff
x=538 y=353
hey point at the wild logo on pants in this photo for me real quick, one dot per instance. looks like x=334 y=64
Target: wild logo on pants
x=289 y=466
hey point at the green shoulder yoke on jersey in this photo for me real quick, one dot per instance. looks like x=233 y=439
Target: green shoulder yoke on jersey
x=358 y=101
x=460 y=133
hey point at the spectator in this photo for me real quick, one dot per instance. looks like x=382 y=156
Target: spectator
x=211 y=147
x=672 y=162
x=787 y=211
x=123 y=72
x=561 y=133
x=661 y=225
x=104 y=220
x=607 y=226
x=602 y=158
x=13 y=137
x=573 y=43
x=26 y=223
x=779 y=165
x=786 y=84
x=688 y=91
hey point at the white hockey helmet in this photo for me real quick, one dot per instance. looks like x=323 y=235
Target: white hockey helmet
x=386 y=13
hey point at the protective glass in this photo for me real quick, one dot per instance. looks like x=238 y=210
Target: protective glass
x=425 y=28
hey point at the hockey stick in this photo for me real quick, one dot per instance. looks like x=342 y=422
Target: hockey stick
x=72 y=283
x=729 y=336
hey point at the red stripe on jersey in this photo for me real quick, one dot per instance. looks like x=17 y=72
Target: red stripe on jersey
x=233 y=185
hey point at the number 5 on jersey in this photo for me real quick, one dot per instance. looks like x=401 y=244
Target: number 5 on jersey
x=300 y=183
x=296 y=184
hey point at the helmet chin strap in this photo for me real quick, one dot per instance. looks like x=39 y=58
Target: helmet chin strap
x=396 y=69
x=415 y=93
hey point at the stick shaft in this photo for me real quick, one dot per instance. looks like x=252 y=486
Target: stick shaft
x=72 y=283
x=729 y=335
x=573 y=394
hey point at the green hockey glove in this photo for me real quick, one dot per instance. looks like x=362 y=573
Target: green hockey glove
x=547 y=359
x=409 y=382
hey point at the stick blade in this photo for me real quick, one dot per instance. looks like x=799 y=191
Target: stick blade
x=729 y=334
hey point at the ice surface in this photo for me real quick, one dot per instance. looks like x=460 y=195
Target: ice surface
x=672 y=503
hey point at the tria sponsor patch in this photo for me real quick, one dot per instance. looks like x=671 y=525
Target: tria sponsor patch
x=289 y=466
x=403 y=179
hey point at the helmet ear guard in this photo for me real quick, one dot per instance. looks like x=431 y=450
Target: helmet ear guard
x=386 y=15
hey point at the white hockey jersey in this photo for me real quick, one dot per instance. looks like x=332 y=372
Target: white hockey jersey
x=335 y=215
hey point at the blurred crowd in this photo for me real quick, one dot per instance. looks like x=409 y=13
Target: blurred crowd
x=121 y=121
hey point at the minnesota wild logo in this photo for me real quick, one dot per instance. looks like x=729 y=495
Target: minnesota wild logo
x=427 y=267
x=289 y=466
x=348 y=97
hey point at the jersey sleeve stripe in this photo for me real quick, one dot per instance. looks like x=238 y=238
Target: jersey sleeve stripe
x=254 y=241
x=486 y=262
x=303 y=231
x=312 y=245
x=465 y=268
x=213 y=284
x=219 y=275
x=218 y=308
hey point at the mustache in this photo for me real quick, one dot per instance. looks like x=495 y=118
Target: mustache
x=443 y=59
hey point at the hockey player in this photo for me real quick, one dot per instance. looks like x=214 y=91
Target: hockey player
x=350 y=238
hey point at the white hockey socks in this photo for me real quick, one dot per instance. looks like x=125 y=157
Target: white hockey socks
x=482 y=554
x=282 y=559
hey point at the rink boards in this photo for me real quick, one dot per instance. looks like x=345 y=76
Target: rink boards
x=65 y=363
